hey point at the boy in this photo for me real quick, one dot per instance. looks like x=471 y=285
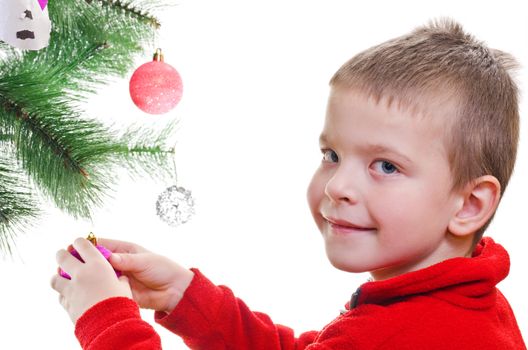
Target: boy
x=418 y=146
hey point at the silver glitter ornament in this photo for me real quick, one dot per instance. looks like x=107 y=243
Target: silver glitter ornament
x=175 y=205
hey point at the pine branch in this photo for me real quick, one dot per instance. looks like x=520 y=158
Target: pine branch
x=65 y=157
x=59 y=150
x=17 y=206
x=147 y=152
x=39 y=131
x=76 y=158
x=130 y=9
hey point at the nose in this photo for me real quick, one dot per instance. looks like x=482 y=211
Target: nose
x=342 y=186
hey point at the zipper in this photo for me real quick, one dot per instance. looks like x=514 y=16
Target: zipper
x=355 y=298
x=354 y=301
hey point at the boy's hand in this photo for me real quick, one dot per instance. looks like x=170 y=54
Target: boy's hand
x=91 y=282
x=156 y=281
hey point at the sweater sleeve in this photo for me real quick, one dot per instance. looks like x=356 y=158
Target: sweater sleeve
x=115 y=323
x=211 y=317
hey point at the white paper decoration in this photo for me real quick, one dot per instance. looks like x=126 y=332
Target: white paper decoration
x=25 y=24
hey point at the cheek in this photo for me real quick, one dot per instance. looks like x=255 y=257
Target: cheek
x=409 y=208
x=315 y=192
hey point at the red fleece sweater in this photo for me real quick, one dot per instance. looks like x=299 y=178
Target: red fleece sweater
x=451 y=305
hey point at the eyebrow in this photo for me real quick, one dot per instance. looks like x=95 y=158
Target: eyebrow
x=377 y=148
x=372 y=148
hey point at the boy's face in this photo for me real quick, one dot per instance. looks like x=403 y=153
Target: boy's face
x=382 y=195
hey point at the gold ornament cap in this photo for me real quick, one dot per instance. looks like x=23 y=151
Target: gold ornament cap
x=158 y=56
x=91 y=237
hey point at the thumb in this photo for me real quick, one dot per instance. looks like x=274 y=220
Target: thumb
x=125 y=262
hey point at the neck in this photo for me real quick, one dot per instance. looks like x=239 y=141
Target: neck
x=451 y=247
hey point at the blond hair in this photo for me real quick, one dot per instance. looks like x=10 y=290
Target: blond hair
x=440 y=59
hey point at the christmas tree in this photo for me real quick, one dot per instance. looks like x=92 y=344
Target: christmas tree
x=48 y=146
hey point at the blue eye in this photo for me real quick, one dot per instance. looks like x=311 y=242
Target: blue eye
x=385 y=167
x=329 y=156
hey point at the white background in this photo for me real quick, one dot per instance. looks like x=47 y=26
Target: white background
x=255 y=86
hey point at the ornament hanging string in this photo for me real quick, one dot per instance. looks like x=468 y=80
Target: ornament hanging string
x=175 y=172
x=175 y=205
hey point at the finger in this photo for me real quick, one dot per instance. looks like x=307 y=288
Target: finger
x=58 y=283
x=120 y=246
x=86 y=250
x=67 y=262
x=123 y=279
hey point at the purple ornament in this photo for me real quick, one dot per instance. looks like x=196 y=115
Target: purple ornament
x=106 y=253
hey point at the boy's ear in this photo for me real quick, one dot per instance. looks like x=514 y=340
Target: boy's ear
x=478 y=202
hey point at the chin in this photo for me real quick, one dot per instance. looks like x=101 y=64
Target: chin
x=347 y=266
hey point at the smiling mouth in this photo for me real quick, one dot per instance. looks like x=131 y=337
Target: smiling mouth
x=344 y=227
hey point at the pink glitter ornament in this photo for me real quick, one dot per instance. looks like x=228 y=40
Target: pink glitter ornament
x=106 y=253
x=156 y=87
